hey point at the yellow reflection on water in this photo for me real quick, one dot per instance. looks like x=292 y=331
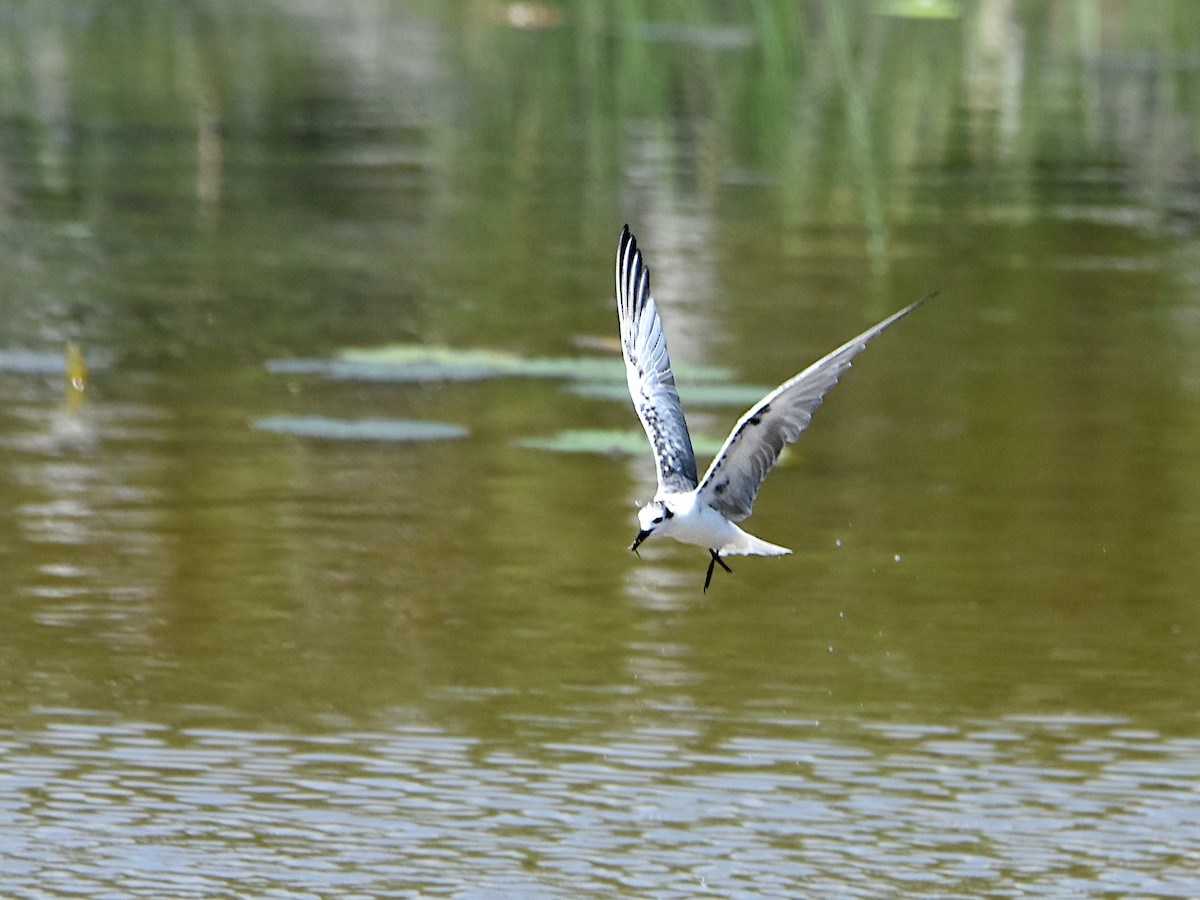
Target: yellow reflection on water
x=77 y=376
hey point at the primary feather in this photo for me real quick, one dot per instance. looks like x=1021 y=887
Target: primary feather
x=648 y=372
x=732 y=481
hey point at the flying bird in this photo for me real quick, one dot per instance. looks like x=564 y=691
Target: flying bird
x=705 y=511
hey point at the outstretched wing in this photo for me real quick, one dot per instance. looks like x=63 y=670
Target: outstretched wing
x=648 y=371
x=732 y=481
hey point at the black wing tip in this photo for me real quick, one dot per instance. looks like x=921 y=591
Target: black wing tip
x=929 y=296
x=921 y=300
x=897 y=316
x=627 y=246
x=632 y=267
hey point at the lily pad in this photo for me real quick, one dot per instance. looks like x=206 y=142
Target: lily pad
x=609 y=442
x=742 y=396
x=360 y=429
x=30 y=362
x=35 y=362
x=345 y=370
x=422 y=363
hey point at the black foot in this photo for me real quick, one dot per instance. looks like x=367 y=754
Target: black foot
x=716 y=558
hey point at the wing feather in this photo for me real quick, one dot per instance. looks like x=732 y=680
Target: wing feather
x=648 y=372
x=732 y=481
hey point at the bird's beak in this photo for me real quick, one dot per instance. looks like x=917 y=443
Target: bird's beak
x=637 y=541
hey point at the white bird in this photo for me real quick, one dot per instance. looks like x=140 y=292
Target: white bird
x=703 y=511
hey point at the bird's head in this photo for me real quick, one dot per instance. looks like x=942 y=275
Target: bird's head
x=650 y=517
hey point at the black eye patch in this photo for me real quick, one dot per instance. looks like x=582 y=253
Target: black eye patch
x=668 y=513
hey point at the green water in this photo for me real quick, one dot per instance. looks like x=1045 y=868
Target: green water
x=240 y=662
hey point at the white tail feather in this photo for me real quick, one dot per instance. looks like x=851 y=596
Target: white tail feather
x=744 y=544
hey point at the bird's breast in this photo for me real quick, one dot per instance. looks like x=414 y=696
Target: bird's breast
x=701 y=525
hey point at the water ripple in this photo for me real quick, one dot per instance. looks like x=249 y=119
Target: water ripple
x=139 y=810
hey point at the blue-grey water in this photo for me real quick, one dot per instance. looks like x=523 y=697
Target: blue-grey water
x=258 y=641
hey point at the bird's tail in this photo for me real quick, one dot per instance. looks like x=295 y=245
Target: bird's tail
x=743 y=544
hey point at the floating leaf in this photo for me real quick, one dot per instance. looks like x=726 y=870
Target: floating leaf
x=742 y=396
x=31 y=362
x=345 y=370
x=420 y=363
x=581 y=367
x=402 y=355
x=609 y=442
x=34 y=362
x=360 y=429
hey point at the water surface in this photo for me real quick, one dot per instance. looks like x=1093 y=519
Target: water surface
x=331 y=661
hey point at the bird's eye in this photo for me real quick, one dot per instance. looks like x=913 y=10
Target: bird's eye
x=657 y=520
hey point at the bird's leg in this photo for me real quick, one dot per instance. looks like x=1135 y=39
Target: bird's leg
x=716 y=558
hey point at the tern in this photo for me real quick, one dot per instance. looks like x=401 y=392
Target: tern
x=704 y=511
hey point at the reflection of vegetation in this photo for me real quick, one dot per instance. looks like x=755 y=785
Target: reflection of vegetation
x=251 y=132
x=794 y=94
x=770 y=90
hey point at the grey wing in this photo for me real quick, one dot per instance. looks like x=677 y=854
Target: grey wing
x=648 y=371
x=732 y=481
